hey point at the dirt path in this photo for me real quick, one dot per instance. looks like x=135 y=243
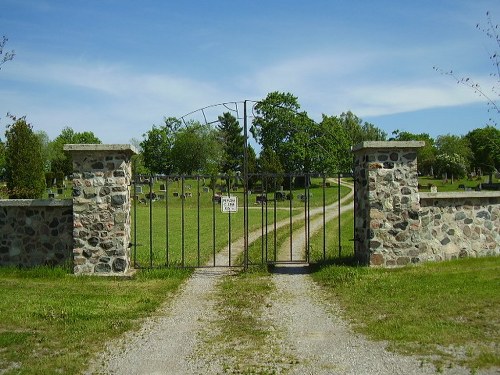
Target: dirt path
x=313 y=332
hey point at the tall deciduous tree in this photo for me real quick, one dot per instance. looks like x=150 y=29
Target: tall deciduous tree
x=61 y=160
x=453 y=155
x=333 y=144
x=157 y=146
x=25 y=175
x=196 y=149
x=280 y=127
x=233 y=143
x=359 y=131
x=485 y=147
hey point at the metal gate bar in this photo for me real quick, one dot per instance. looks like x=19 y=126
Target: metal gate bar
x=191 y=255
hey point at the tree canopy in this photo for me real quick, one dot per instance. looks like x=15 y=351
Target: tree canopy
x=61 y=161
x=279 y=126
x=485 y=149
x=157 y=146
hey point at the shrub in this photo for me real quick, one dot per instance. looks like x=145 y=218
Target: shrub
x=24 y=163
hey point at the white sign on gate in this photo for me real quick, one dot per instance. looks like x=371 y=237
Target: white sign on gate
x=229 y=204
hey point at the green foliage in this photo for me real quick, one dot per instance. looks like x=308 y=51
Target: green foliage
x=485 y=147
x=426 y=155
x=25 y=172
x=451 y=165
x=233 y=143
x=334 y=145
x=359 y=131
x=2 y=161
x=279 y=126
x=61 y=161
x=196 y=150
x=157 y=146
x=453 y=155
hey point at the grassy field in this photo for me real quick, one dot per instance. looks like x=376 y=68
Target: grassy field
x=446 y=313
x=451 y=184
x=52 y=322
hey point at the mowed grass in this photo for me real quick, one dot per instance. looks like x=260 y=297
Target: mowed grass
x=452 y=185
x=53 y=322
x=447 y=313
x=324 y=246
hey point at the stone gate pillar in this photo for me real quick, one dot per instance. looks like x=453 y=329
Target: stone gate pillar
x=386 y=204
x=101 y=208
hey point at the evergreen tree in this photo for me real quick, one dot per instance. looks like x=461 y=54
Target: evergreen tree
x=24 y=162
x=233 y=143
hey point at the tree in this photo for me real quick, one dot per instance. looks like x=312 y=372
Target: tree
x=46 y=149
x=233 y=143
x=485 y=147
x=359 y=131
x=269 y=163
x=453 y=155
x=61 y=161
x=2 y=160
x=157 y=146
x=24 y=163
x=491 y=95
x=7 y=55
x=334 y=146
x=426 y=155
x=196 y=150
x=280 y=127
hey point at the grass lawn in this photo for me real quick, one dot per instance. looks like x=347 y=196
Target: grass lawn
x=447 y=313
x=451 y=185
x=52 y=322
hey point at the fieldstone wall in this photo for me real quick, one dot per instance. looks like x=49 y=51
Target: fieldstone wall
x=464 y=224
x=396 y=225
x=101 y=208
x=35 y=232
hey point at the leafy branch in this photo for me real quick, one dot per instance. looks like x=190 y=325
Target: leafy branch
x=7 y=55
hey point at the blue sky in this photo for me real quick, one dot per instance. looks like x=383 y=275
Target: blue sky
x=116 y=67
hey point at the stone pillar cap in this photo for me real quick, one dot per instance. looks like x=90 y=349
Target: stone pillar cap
x=127 y=148
x=387 y=145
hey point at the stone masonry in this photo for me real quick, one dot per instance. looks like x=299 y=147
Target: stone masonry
x=459 y=224
x=396 y=225
x=101 y=208
x=35 y=232
x=387 y=222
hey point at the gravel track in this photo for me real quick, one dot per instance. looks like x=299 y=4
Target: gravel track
x=309 y=330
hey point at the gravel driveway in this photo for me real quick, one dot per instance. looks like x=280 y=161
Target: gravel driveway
x=310 y=331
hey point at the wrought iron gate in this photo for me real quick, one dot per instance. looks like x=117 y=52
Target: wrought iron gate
x=221 y=221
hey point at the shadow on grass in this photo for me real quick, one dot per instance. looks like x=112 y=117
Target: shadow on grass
x=345 y=261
